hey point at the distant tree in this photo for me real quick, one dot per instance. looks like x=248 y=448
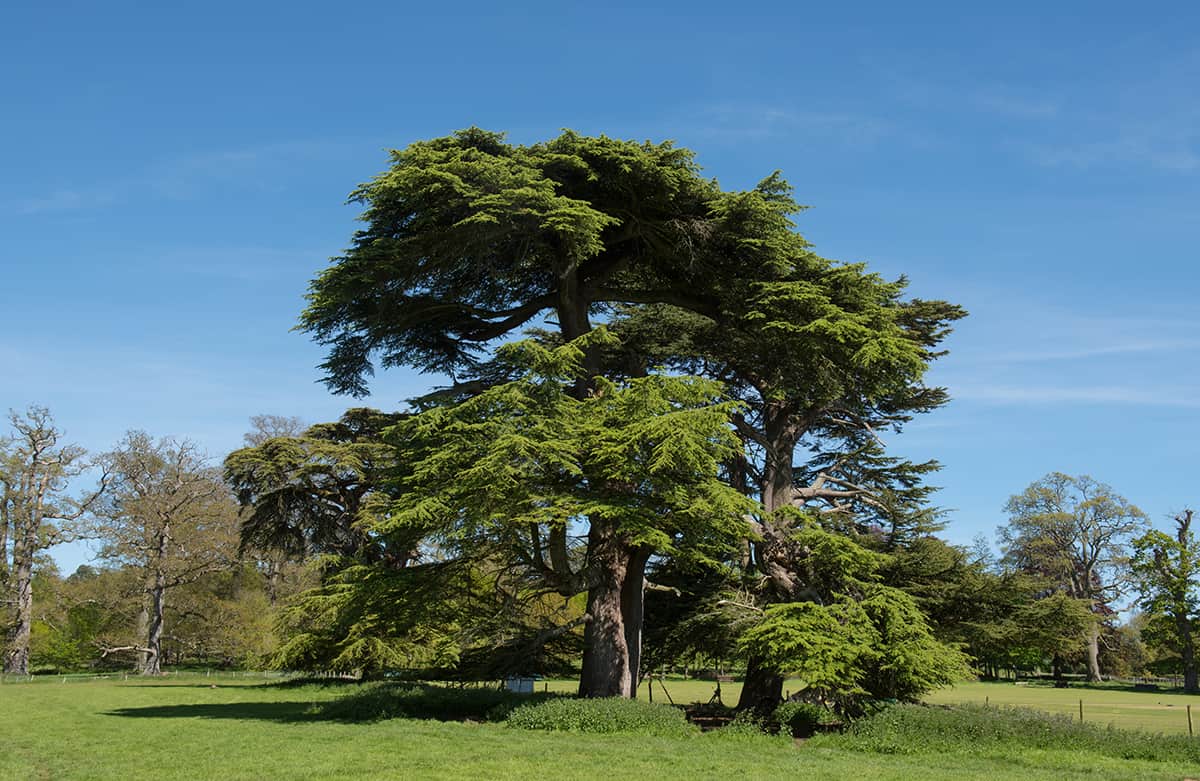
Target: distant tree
x=1123 y=651
x=1055 y=627
x=36 y=513
x=170 y=515
x=1167 y=571
x=264 y=427
x=1076 y=533
x=306 y=492
x=77 y=616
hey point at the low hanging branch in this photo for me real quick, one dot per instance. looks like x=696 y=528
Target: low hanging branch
x=106 y=650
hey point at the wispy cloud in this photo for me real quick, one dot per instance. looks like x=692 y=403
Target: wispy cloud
x=1146 y=119
x=66 y=200
x=1098 y=351
x=178 y=178
x=757 y=122
x=1171 y=145
x=1115 y=395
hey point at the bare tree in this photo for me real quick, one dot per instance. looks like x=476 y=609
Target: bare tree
x=264 y=427
x=170 y=515
x=35 y=514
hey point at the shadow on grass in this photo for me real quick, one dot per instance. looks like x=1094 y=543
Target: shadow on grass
x=286 y=712
x=364 y=703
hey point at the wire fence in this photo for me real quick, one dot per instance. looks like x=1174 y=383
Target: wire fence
x=124 y=675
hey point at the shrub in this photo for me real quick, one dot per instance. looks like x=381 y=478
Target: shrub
x=605 y=715
x=918 y=729
x=377 y=701
x=799 y=718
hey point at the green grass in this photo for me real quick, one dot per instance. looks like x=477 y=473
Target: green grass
x=244 y=729
x=1123 y=708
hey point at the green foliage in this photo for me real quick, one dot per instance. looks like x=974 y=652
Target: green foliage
x=69 y=647
x=799 y=718
x=306 y=493
x=642 y=454
x=1056 y=625
x=602 y=715
x=1167 y=570
x=1074 y=531
x=367 y=619
x=468 y=238
x=917 y=729
x=878 y=647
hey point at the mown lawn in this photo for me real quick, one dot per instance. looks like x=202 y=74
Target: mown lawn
x=1123 y=708
x=242 y=729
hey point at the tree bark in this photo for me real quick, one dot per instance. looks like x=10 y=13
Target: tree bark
x=762 y=688
x=633 y=602
x=606 y=658
x=1187 y=654
x=158 y=591
x=16 y=652
x=1093 y=650
x=152 y=663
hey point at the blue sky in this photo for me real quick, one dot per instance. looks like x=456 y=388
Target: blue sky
x=171 y=177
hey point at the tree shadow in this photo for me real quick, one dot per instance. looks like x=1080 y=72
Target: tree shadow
x=284 y=712
x=363 y=704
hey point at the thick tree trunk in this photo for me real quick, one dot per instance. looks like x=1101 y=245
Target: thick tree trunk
x=762 y=688
x=16 y=651
x=606 y=657
x=152 y=663
x=1093 y=651
x=633 y=602
x=1187 y=655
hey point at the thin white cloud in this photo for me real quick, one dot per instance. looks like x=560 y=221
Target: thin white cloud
x=1098 y=351
x=1171 y=146
x=179 y=178
x=1114 y=395
x=66 y=200
x=758 y=122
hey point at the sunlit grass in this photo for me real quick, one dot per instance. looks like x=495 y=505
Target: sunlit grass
x=1123 y=708
x=196 y=727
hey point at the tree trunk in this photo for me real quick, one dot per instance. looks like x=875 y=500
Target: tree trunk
x=606 y=654
x=762 y=688
x=272 y=581
x=152 y=664
x=1093 y=650
x=16 y=652
x=633 y=601
x=1187 y=654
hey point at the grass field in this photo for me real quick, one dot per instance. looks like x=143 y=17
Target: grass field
x=1123 y=708
x=189 y=727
